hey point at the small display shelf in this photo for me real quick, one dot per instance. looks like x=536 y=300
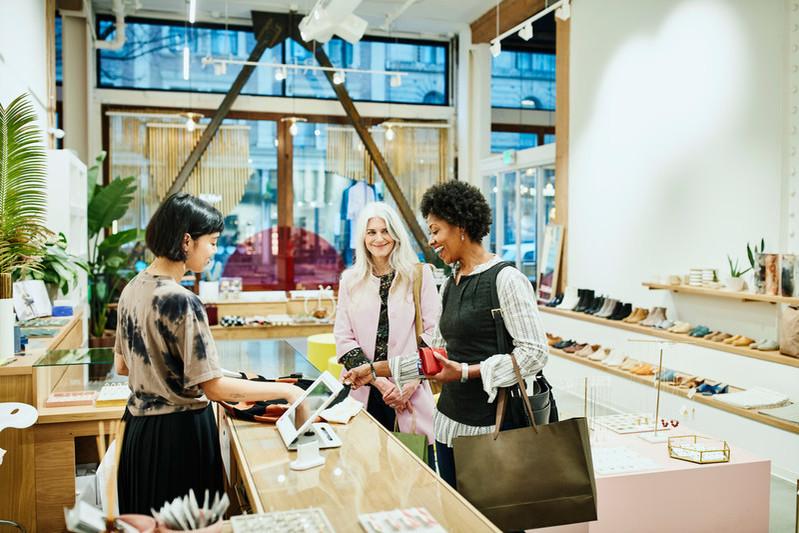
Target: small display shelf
x=741 y=296
x=772 y=356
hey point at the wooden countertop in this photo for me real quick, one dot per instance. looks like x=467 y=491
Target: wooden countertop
x=37 y=347
x=371 y=472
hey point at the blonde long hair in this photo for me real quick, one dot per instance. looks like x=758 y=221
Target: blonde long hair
x=402 y=259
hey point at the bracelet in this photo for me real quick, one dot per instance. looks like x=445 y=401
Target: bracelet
x=464 y=372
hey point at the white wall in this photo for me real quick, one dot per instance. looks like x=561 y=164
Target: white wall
x=678 y=143
x=676 y=136
x=23 y=54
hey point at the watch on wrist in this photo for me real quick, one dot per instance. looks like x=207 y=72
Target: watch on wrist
x=374 y=372
x=464 y=372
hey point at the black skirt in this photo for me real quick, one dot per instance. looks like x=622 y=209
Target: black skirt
x=163 y=456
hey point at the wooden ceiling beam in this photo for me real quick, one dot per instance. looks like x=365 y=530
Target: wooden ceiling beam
x=511 y=13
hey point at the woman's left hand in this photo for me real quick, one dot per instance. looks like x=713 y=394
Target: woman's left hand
x=450 y=371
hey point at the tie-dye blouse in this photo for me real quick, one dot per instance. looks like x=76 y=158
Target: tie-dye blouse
x=164 y=338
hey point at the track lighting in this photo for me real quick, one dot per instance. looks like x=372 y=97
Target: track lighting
x=339 y=77
x=496 y=48
x=390 y=134
x=564 y=11
x=281 y=74
x=526 y=32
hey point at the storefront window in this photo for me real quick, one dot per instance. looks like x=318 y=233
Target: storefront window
x=152 y=58
x=509 y=140
x=523 y=80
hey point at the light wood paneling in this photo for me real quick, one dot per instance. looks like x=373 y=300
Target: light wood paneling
x=562 y=51
x=741 y=296
x=16 y=479
x=221 y=333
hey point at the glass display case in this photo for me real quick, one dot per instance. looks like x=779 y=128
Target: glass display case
x=82 y=377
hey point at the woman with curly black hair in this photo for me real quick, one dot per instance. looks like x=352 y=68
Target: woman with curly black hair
x=458 y=218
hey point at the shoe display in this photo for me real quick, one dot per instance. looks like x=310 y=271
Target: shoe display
x=570 y=299
x=656 y=316
x=709 y=388
x=607 y=308
x=681 y=327
x=585 y=301
x=587 y=350
x=599 y=301
x=615 y=359
x=742 y=342
x=599 y=355
x=574 y=348
x=562 y=344
x=721 y=337
x=622 y=312
x=699 y=331
x=552 y=339
x=730 y=340
x=666 y=324
x=639 y=314
x=644 y=369
x=767 y=345
x=629 y=364
x=556 y=301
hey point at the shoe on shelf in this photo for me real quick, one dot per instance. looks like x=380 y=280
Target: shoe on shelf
x=623 y=312
x=563 y=344
x=644 y=369
x=599 y=355
x=575 y=347
x=607 y=308
x=681 y=327
x=596 y=303
x=587 y=350
x=687 y=381
x=742 y=342
x=629 y=364
x=767 y=345
x=699 y=331
x=570 y=299
x=732 y=339
x=666 y=324
x=708 y=336
x=554 y=302
x=721 y=337
x=552 y=339
x=615 y=358
x=709 y=388
x=667 y=375
x=638 y=314
x=585 y=301
x=656 y=316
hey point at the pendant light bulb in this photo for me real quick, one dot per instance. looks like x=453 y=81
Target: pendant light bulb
x=294 y=129
x=281 y=74
x=339 y=77
x=192 y=11
x=186 y=62
x=316 y=132
x=190 y=125
x=496 y=48
x=390 y=135
x=396 y=80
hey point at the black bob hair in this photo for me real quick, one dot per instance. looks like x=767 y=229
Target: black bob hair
x=178 y=215
x=460 y=204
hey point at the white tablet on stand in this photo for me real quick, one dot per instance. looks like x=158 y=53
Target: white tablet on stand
x=296 y=430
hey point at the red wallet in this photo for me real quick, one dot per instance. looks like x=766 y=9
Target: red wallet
x=430 y=365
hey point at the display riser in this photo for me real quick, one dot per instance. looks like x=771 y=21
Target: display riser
x=626 y=395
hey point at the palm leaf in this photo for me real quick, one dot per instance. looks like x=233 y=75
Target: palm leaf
x=110 y=203
x=23 y=197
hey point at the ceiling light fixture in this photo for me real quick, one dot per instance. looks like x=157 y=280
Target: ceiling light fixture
x=527 y=102
x=192 y=11
x=330 y=17
x=526 y=32
x=191 y=120
x=210 y=60
x=390 y=134
x=339 y=77
x=293 y=128
x=281 y=74
x=186 y=59
x=563 y=13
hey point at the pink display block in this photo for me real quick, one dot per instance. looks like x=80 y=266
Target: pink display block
x=678 y=495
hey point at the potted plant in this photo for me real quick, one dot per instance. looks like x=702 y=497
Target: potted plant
x=110 y=266
x=756 y=265
x=735 y=282
x=57 y=268
x=23 y=204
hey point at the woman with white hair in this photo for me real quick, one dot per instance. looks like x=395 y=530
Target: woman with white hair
x=375 y=318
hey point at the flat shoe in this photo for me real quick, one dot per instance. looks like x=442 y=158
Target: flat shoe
x=743 y=341
x=721 y=337
x=731 y=339
x=587 y=350
x=768 y=346
x=644 y=370
x=574 y=348
x=615 y=359
x=681 y=328
x=629 y=364
x=666 y=324
x=599 y=355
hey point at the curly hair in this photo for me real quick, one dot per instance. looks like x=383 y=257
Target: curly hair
x=460 y=204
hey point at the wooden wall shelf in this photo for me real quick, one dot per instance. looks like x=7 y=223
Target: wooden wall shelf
x=741 y=296
x=773 y=356
x=751 y=414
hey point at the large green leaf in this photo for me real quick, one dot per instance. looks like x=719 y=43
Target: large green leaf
x=119 y=239
x=110 y=203
x=23 y=198
x=91 y=176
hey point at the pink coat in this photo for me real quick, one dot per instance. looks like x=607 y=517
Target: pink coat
x=356 y=325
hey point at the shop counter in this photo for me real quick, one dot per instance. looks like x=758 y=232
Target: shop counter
x=676 y=495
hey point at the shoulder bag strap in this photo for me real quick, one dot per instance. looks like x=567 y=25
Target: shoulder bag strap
x=502 y=401
x=417 y=301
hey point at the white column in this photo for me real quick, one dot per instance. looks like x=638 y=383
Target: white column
x=473 y=108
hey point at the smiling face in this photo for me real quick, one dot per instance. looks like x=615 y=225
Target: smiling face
x=445 y=239
x=200 y=251
x=378 y=241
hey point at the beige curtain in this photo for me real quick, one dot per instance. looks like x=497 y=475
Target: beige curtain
x=222 y=173
x=346 y=155
x=418 y=158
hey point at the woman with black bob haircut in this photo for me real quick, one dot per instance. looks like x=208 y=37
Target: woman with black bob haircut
x=164 y=345
x=458 y=217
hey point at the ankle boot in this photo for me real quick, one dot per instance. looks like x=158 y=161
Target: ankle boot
x=588 y=297
x=595 y=305
x=607 y=309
